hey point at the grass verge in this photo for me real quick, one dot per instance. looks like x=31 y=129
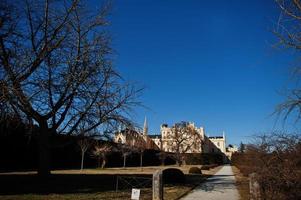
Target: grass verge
x=242 y=184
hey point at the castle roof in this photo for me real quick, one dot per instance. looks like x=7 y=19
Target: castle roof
x=155 y=136
x=216 y=137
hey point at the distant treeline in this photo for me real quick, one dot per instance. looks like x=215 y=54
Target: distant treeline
x=18 y=151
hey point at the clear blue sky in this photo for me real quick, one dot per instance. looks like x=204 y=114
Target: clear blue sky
x=210 y=62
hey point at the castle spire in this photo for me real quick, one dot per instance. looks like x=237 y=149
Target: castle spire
x=145 y=127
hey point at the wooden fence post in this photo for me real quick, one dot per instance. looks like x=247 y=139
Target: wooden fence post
x=158 y=185
x=254 y=187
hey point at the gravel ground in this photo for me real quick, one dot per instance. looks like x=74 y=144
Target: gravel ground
x=221 y=186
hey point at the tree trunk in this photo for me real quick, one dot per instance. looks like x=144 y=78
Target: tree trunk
x=44 y=151
x=184 y=161
x=141 y=160
x=98 y=161
x=178 y=159
x=103 y=163
x=124 y=161
x=82 y=163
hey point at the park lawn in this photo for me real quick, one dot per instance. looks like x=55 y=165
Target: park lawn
x=95 y=184
x=242 y=184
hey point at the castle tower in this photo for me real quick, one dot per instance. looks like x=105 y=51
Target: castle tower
x=145 y=127
x=224 y=140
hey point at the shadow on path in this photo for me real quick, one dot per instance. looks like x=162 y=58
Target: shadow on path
x=220 y=186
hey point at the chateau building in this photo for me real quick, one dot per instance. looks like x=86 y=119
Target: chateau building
x=193 y=139
x=182 y=137
x=219 y=142
x=185 y=136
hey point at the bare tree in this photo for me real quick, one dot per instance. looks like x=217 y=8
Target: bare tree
x=288 y=31
x=275 y=158
x=140 y=147
x=84 y=144
x=183 y=139
x=100 y=152
x=56 y=69
x=125 y=152
x=135 y=143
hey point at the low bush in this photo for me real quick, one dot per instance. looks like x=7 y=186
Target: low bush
x=203 y=158
x=173 y=175
x=274 y=158
x=195 y=170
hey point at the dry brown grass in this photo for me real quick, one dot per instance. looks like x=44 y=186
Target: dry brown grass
x=130 y=170
x=90 y=192
x=242 y=184
x=170 y=193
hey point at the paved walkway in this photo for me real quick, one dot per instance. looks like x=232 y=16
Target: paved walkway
x=220 y=186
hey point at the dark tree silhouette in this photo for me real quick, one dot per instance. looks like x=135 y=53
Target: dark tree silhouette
x=287 y=29
x=242 y=147
x=56 y=69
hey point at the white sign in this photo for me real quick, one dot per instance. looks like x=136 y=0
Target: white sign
x=135 y=194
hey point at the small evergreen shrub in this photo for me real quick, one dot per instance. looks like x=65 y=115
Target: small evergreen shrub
x=195 y=170
x=173 y=175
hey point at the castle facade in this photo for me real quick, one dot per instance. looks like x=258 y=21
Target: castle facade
x=183 y=137
x=190 y=139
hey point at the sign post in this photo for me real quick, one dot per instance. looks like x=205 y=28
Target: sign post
x=135 y=194
x=254 y=187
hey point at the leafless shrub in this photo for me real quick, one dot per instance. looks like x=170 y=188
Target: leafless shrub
x=100 y=152
x=275 y=158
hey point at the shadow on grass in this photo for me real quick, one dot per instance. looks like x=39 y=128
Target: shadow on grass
x=13 y=184
x=58 y=183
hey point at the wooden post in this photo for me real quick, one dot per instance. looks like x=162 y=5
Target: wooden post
x=158 y=185
x=254 y=187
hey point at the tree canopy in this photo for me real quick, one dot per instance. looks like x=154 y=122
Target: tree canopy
x=57 y=68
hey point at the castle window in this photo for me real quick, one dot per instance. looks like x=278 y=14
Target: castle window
x=217 y=143
x=119 y=140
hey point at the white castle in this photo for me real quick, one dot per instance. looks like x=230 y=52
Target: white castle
x=194 y=140
x=182 y=137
